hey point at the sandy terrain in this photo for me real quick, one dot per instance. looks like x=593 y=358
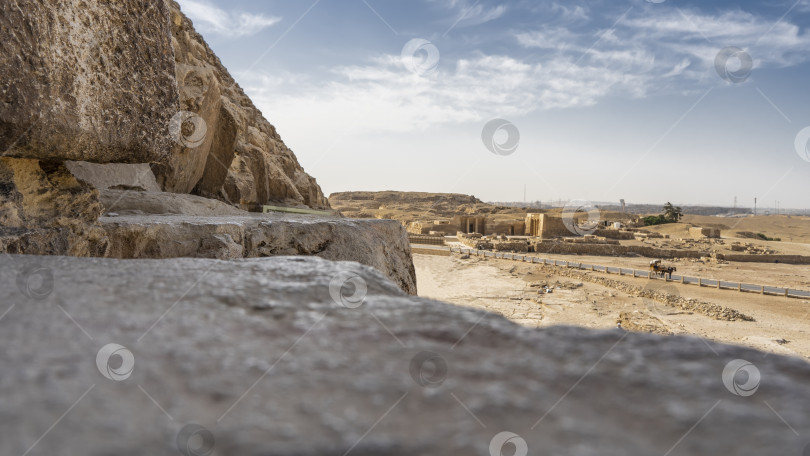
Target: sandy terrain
x=782 y=325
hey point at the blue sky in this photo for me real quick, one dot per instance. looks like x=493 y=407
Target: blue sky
x=650 y=101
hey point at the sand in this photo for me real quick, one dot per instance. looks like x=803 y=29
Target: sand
x=513 y=289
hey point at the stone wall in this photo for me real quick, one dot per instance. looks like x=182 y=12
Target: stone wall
x=699 y=232
x=545 y=226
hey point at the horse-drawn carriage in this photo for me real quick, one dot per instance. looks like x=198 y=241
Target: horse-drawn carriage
x=660 y=270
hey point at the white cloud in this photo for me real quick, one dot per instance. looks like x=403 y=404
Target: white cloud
x=675 y=44
x=642 y=56
x=468 y=13
x=209 y=18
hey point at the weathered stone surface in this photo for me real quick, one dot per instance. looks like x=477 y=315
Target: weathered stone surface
x=119 y=176
x=88 y=80
x=126 y=202
x=240 y=158
x=259 y=354
x=381 y=244
x=44 y=210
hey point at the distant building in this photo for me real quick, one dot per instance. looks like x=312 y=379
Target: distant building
x=545 y=226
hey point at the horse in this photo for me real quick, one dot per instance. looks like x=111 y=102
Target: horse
x=662 y=271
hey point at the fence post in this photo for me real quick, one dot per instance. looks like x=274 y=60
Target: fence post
x=786 y=292
x=718 y=284
x=682 y=281
x=739 y=287
x=700 y=282
x=762 y=289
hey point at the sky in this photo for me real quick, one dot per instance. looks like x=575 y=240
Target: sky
x=693 y=102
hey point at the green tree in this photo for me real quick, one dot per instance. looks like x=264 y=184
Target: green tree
x=672 y=213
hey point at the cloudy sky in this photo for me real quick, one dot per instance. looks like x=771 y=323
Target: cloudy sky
x=693 y=102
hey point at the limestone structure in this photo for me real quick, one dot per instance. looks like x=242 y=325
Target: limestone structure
x=382 y=244
x=700 y=232
x=546 y=226
x=240 y=158
x=80 y=81
x=304 y=356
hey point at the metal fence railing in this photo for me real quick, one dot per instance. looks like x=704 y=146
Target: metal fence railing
x=699 y=281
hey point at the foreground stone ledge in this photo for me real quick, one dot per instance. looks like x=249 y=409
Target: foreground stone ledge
x=265 y=358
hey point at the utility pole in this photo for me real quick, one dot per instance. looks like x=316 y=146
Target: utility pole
x=755 y=206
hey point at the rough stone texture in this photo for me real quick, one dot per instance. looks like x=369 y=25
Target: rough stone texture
x=241 y=159
x=44 y=210
x=382 y=244
x=125 y=202
x=89 y=80
x=118 y=176
x=259 y=353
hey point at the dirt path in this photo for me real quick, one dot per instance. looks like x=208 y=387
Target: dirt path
x=515 y=290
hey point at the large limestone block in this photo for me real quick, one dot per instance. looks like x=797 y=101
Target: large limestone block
x=381 y=244
x=267 y=357
x=88 y=80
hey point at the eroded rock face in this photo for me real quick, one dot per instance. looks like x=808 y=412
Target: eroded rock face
x=44 y=210
x=240 y=158
x=381 y=244
x=87 y=80
x=260 y=356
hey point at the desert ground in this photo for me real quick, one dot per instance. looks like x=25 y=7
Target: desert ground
x=516 y=290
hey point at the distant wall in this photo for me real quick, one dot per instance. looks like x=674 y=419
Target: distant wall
x=786 y=259
x=545 y=226
x=700 y=232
